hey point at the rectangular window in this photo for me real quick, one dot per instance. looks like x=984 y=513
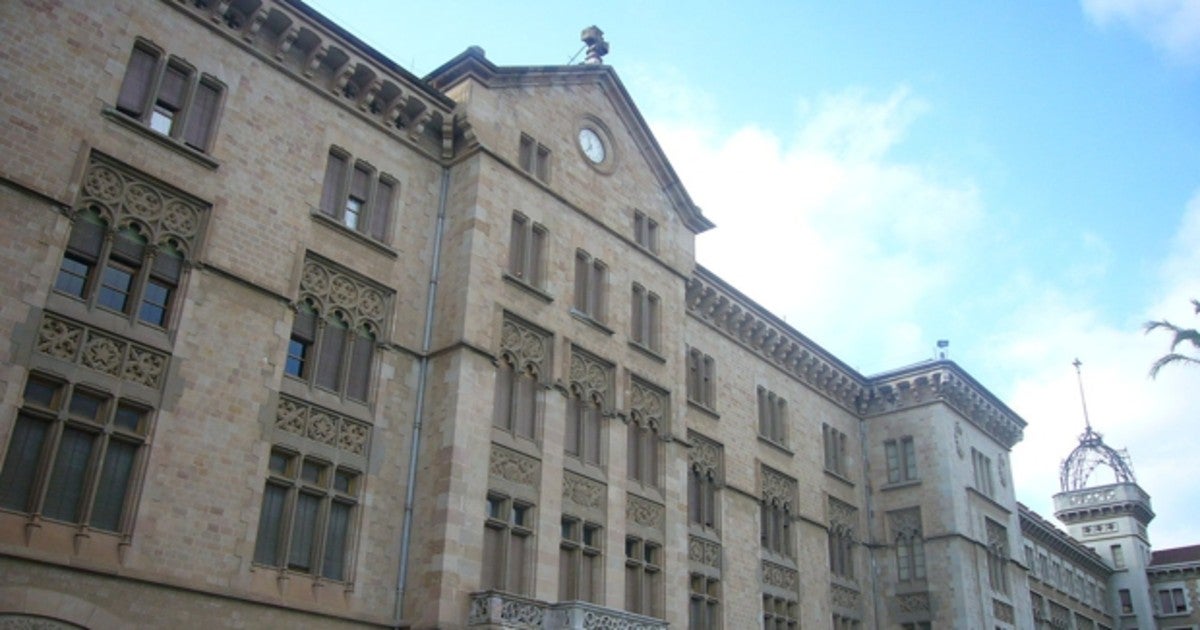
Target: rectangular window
x=72 y=454
x=701 y=378
x=580 y=562
x=841 y=551
x=1118 y=556
x=772 y=416
x=835 y=450
x=910 y=557
x=1126 y=601
x=983 y=473
x=702 y=496
x=645 y=231
x=306 y=523
x=901 y=460
x=589 y=286
x=353 y=194
x=534 y=158
x=526 y=250
x=170 y=97
x=507 y=545
x=780 y=613
x=643 y=576
x=516 y=400
x=642 y=453
x=645 y=317
x=583 y=435
x=1172 y=601
x=704 y=607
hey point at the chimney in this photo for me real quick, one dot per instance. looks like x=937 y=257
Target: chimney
x=593 y=37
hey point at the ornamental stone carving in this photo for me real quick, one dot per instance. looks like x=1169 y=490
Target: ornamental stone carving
x=704 y=551
x=705 y=455
x=83 y=345
x=647 y=405
x=780 y=576
x=778 y=488
x=644 y=512
x=584 y=492
x=330 y=290
x=1003 y=612
x=512 y=466
x=590 y=377
x=527 y=346
x=905 y=522
x=842 y=514
x=124 y=198
x=940 y=382
x=997 y=538
x=913 y=603
x=842 y=597
x=321 y=425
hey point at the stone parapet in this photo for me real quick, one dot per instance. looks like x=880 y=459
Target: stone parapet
x=494 y=610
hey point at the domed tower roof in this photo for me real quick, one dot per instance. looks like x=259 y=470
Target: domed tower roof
x=1092 y=452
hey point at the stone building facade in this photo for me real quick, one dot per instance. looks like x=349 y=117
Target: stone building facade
x=291 y=336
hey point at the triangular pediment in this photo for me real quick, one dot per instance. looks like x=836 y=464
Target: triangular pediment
x=473 y=66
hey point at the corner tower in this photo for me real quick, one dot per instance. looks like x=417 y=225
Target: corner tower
x=1109 y=515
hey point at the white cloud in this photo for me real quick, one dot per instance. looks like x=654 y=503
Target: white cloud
x=1171 y=25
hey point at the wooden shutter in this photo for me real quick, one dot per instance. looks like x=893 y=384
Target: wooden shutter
x=335 y=168
x=526 y=407
x=329 y=363
x=381 y=211
x=202 y=116
x=135 y=87
x=503 y=400
x=86 y=237
x=516 y=247
x=174 y=88
x=358 y=383
x=574 y=426
x=360 y=183
x=639 y=330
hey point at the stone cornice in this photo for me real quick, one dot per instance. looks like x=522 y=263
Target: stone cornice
x=1038 y=529
x=292 y=37
x=726 y=309
x=945 y=382
x=713 y=301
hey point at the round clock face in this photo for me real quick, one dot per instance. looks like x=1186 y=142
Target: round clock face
x=592 y=145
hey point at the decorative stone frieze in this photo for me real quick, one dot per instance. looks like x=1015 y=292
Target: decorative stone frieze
x=528 y=347
x=84 y=345
x=329 y=290
x=913 y=603
x=704 y=551
x=997 y=538
x=778 y=488
x=780 y=576
x=314 y=54
x=584 y=492
x=647 y=405
x=1003 y=612
x=644 y=512
x=125 y=198
x=590 y=377
x=842 y=514
x=512 y=466
x=493 y=609
x=321 y=425
x=705 y=456
x=940 y=381
x=722 y=307
x=906 y=522
x=843 y=597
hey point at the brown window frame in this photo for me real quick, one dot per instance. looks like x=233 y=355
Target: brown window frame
x=373 y=192
x=190 y=103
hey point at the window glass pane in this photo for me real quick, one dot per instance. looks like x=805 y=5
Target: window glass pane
x=114 y=483
x=334 y=565
x=353 y=210
x=161 y=120
x=304 y=529
x=41 y=392
x=495 y=507
x=135 y=87
x=297 y=357
x=72 y=276
x=311 y=471
x=154 y=303
x=128 y=418
x=278 y=463
x=343 y=481
x=270 y=524
x=21 y=462
x=70 y=470
x=114 y=288
x=85 y=405
x=519 y=515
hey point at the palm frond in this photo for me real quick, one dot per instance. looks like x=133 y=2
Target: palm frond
x=1166 y=360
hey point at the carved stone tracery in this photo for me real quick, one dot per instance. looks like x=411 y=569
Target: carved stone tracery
x=526 y=347
x=515 y=467
x=644 y=512
x=647 y=405
x=320 y=425
x=778 y=488
x=584 y=492
x=780 y=576
x=704 y=551
x=331 y=291
x=103 y=352
x=705 y=456
x=590 y=378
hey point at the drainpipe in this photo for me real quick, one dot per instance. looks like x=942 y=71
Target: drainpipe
x=871 y=545
x=419 y=415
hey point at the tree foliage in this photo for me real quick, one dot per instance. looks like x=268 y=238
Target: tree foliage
x=1179 y=336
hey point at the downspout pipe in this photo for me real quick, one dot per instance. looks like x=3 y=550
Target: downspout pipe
x=419 y=414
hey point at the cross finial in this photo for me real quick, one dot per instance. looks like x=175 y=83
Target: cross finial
x=1082 y=399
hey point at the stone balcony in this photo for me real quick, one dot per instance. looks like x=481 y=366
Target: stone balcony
x=493 y=610
x=1110 y=500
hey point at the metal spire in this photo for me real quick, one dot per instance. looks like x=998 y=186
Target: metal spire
x=1082 y=399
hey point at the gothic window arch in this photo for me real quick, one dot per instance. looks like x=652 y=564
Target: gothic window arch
x=842 y=518
x=589 y=389
x=909 y=544
x=519 y=373
x=704 y=478
x=646 y=415
x=776 y=512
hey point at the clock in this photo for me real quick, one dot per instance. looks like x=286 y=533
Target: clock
x=592 y=145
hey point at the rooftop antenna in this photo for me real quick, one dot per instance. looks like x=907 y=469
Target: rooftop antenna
x=941 y=352
x=593 y=39
x=1087 y=423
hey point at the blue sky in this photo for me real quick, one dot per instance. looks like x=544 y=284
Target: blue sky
x=1021 y=178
